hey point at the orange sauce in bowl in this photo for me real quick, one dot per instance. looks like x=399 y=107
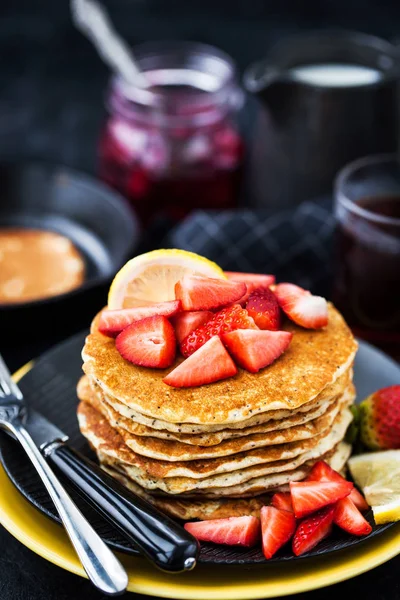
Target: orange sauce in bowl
x=37 y=264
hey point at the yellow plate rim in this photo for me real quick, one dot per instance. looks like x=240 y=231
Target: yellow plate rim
x=47 y=539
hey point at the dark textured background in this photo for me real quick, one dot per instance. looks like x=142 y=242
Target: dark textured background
x=52 y=82
x=51 y=106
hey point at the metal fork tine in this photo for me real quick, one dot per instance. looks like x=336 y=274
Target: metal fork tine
x=6 y=383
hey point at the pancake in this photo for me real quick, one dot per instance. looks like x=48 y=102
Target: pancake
x=275 y=478
x=194 y=509
x=86 y=389
x=314 y=360
x=93 y=424
x=322 y=400
x=179 y=477
x=252 y=488
x=220 y=450
x=221 y=508
x=271 y=477
x=173 y=451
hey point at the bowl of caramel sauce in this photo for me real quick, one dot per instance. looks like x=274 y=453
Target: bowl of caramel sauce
x=37 y=264
x=63 y=236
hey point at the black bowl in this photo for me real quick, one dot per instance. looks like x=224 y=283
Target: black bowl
x=95 y=218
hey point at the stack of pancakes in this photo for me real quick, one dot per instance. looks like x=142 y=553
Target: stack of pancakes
x=219 y=450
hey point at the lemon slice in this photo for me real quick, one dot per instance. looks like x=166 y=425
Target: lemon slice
x=378 y=475
x=150 y=278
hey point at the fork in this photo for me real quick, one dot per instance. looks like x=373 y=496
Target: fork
x=101 y=565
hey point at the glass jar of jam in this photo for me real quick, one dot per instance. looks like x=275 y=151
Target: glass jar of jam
x=174 y=145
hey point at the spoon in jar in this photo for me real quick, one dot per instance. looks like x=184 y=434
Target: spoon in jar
x=92 y=20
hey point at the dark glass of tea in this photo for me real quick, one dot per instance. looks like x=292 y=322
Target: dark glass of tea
x=367 y=261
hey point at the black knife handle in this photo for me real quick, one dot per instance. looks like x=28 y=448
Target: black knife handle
x=161 y=539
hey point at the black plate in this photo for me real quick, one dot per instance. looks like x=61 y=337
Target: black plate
x=95 y=218
x=50 y=388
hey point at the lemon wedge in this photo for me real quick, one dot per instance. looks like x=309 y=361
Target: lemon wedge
x=150 y=278
x=378 y=475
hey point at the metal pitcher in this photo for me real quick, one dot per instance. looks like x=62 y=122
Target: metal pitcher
x=306 y=130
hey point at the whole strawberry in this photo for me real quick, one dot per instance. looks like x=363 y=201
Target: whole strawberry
x=228 y=319
x=380 y=419
x=263 y=307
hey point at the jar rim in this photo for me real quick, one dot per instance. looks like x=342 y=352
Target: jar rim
x=208 y=72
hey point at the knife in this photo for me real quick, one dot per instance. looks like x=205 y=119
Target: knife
x=163 y=541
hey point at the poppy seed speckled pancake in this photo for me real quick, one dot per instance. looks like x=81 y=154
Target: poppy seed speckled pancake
x=249 y=481
x=221 y=472
x=194 y=508
x=322 y=400
x=217 y=508
x=86 y=389
x=258 y=486
x=276 y=479
x=313 y=361
x=237 y=484
x=173 y=450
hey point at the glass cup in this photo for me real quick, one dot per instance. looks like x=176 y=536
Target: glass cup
x=367 y=262
x=175 y=146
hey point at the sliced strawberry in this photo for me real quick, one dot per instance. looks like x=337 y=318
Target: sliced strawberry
x=283 y=501
x=255 y=349
x=301 y=306
x=309 y=496
x=253 y=281
x=204 y=293
x=263 y=307
x=234 y=531
x=208 y=364
x=321 y=471
x=148 y=343
x=358 y=499
x=112 y=322
x=186 y=322
x=228 y=319
x=277 y=527
x=348 y=517
x=312 y=530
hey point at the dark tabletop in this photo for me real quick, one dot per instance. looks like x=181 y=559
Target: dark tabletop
x=51 y=107
x=26 y=576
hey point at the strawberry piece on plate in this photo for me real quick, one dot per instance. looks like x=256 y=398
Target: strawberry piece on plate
x=283 y=501
x=301 y=306
x=204 y=293
x=233 y=531
x=253 y=281
x=228 y=319
x=358 y=499
x=309 y=496
x=348 y=517
x=263 y=307
x=255 y=349
x=112 y=322
x=380 y=419
x=312 y=530
x=277 y=528
x=209 y=363
x=186 y=322
x=321 y=471
x=149 y=343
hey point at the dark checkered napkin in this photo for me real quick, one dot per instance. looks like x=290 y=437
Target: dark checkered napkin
x=295 y=245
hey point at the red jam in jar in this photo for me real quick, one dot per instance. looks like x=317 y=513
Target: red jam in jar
x=174 y=145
